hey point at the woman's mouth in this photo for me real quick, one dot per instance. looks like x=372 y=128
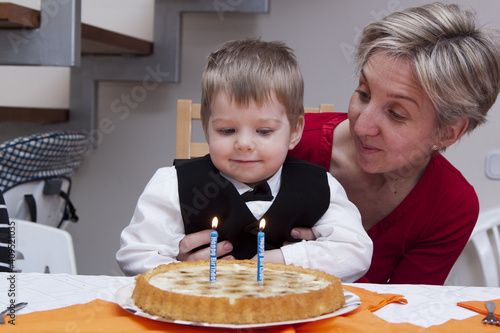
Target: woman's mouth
x=367 y=149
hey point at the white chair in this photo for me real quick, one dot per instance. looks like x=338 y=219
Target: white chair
x=43 y=249
x=479 y=263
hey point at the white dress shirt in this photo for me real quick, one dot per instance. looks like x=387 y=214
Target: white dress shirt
x=342 y=246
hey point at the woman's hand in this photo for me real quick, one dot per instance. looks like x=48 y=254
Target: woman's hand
x=200 y=238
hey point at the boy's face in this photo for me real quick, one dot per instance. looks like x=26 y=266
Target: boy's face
x=250 y=143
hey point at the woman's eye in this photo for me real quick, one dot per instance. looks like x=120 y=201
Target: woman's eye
x=363 y=95
x=396 y=115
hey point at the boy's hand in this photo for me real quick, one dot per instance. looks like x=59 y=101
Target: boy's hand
x=197 y=239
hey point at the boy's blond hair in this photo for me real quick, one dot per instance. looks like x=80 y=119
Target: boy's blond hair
x=253 y=70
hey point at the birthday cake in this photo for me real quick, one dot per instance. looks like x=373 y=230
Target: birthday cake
x=182 y=291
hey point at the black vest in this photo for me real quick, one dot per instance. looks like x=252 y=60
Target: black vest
x=304 y=197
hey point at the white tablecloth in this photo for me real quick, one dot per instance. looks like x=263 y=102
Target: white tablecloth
x=427 y=305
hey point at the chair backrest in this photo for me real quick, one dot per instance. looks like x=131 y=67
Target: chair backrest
x=42 y=249
x=486 y=240
x=187 y=112
x=482 y=254
x=45 y=201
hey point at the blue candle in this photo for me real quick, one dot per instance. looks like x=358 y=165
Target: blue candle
x=213 y=250
x=260 y=252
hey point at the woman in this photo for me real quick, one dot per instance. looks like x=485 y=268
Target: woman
x=427 y=77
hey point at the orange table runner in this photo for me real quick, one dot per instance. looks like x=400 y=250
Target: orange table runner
x=107 y=317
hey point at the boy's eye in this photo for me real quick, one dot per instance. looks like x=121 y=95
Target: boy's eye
x=264 y=131
x=227 y=131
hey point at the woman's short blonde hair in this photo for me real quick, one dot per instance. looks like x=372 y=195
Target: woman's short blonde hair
x=253 y=70
x=456 y=63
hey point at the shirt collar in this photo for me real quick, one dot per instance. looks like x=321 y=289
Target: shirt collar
x=274 y=183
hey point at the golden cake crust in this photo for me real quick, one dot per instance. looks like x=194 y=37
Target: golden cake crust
x=202 y=301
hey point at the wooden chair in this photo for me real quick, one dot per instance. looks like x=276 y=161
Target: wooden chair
x=187 y=112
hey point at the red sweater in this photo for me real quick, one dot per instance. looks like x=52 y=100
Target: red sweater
x=420 y=240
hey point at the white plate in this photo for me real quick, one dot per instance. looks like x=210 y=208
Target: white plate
x=123 y=297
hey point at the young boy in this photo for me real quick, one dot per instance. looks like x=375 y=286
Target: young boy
x=252 y=115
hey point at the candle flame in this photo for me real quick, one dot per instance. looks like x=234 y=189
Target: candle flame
x=215 y=222
x=262 y=224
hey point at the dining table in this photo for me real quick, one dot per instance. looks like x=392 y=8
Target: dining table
x=89 y=303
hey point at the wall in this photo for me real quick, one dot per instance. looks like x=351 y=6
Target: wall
x=321 y=32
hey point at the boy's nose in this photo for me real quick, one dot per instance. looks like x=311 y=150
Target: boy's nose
x=244 y=143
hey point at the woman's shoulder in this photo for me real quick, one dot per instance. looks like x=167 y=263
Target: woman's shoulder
x=442 y=198
x=442 y=171
x=448 y=200
x=446 y=186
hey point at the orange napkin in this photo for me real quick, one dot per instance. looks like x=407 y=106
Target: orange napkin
x=373 y=301
x=479 y=307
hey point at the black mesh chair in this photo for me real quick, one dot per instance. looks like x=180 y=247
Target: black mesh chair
x=35 y=175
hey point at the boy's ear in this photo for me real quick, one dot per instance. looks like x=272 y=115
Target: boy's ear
x=453 y=132
x=296 y=133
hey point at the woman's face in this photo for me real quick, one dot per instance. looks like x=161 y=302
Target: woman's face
x=392 y=121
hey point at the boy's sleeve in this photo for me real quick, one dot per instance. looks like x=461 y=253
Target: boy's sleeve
x=342 y=246
x=153 y=235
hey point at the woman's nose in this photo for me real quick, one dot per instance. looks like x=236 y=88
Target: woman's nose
x=367 y=122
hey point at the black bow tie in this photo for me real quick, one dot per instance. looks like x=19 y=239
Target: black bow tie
x=261 y=192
